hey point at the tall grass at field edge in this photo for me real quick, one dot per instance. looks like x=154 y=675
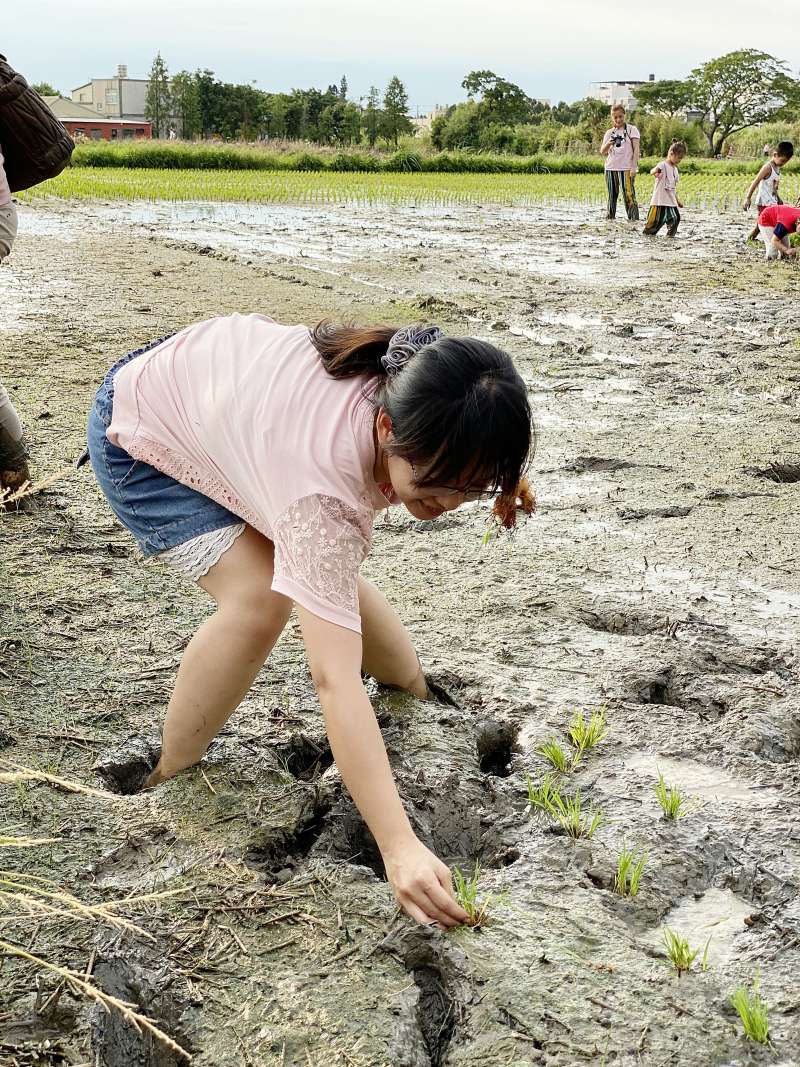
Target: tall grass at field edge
x=203 y=156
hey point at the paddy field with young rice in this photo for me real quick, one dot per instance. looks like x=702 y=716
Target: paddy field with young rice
x=644 y=620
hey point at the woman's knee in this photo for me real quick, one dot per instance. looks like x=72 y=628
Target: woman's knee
x=259 y=612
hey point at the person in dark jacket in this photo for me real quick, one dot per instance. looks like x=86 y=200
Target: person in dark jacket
x=13 y=453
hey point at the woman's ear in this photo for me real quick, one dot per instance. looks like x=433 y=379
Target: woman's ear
x=383 y=426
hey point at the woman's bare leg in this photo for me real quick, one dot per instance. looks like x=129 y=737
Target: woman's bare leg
x=388 y=654
x=225 y=655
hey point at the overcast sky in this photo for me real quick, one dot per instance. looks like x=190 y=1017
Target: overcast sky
x=552 y=49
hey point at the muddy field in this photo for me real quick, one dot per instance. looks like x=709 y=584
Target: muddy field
x=659 y=580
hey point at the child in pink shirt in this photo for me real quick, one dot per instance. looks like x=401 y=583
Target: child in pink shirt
x=664 y=202
x=620 y=147
x=253 y=457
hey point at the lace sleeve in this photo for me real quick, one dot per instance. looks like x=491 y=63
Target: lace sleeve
x=320 y=543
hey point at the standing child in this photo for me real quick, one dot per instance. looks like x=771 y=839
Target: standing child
x=620 y=146
x=664 y=202
x=767 y=181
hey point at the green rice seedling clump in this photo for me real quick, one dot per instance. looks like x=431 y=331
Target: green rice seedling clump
x=542 y=796
x=679 y=953
x=629 y=872
x=557 y=757
x=586 y=733
x=672 y=801
x=753 y=1013
x=576 y=820
x=467 y=896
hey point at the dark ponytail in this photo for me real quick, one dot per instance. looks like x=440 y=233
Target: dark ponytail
x=347 y=351
x=459 y=407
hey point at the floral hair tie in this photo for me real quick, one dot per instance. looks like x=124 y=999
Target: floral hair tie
x=405 y=344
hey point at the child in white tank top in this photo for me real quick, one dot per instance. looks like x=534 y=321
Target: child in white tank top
x=766 y=182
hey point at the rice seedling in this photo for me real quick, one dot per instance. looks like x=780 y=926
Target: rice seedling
x=753 y=1013
x=542 y=796
x=327 y=186
x=586 y=733
x=576 y=820
x=557 y=757
x=679 y=953
x=629 y=872
x=672 y=801
x=467 y=896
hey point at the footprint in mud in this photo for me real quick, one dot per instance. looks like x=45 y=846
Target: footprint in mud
x=303 y=756
x=596 y=465
x=621 y=620
x=669 y=688
x=453 y=818
x=432 y=1012
x=141 y=976
x=782 y=471
x=126 y=768
x=496 y=745
x=670 y=511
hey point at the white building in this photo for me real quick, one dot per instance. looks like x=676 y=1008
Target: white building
x=422 y=123
x=622 y=91
x=120 y=97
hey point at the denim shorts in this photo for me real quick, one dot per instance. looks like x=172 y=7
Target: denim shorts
x=159 y=511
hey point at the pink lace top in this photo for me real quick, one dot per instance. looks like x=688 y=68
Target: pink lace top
x=241 y=409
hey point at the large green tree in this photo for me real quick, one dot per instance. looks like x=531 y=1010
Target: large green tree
x=501 y=100
x=158 y=102
x=737 y=90
x=669 y=97
x=372 y=116
x=186 y=104
x=394 y=118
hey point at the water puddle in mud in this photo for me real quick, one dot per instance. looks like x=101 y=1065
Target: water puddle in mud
x=715 y=919
x=700 y=780
x=334 y=238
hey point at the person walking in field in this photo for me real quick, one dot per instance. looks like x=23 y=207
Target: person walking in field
x=664 y=203
x=14 y=471
x=766 y=182
x=620 y=146
x=252 y=457
x=775 y=224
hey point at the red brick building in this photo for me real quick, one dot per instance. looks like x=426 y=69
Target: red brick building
x=83 y=122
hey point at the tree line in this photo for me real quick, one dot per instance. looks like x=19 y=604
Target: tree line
x=197 y=104
x=716 y=101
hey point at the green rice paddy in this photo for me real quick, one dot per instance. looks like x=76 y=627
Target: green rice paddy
x=709 y=191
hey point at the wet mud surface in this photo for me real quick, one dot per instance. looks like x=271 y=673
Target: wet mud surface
x=658 y=580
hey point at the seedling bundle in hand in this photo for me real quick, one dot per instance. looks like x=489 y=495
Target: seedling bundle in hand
x=467 y=896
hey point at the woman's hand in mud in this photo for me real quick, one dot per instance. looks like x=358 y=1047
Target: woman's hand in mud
x=422 y=884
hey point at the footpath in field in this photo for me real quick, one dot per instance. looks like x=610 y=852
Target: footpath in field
x=656 y=588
